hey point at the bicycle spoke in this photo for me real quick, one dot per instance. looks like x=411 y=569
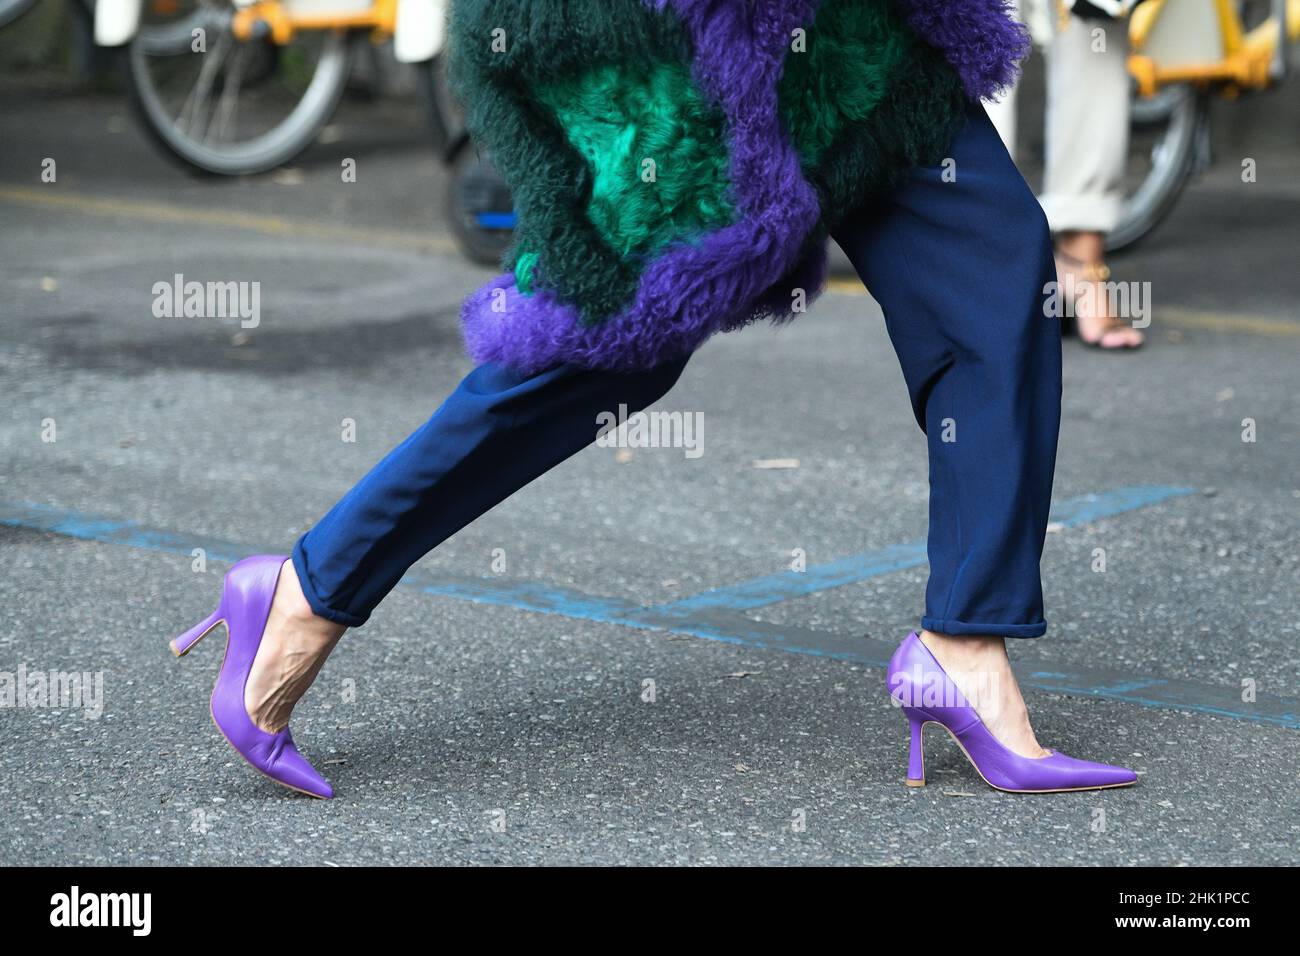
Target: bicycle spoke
x=174 y=39
x=202 y=89
x=243 y=106
x=229 y=95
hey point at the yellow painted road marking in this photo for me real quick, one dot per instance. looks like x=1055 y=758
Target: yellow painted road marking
x=1174 y=316
x=314 y=229
x=1225 y=322
x=226 y=218
x=845 y=286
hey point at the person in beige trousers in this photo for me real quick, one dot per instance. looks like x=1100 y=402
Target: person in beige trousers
x=1087 y=127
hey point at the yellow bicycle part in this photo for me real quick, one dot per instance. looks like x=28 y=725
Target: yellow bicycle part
x=283 y=22
x=1245 y=59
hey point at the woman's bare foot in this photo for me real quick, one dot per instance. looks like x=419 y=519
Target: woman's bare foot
x=980 y=669
x=293 y=650
x=1080 y=256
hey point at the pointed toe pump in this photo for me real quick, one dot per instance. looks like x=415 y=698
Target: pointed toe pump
x=245 y=604
x=929 y=696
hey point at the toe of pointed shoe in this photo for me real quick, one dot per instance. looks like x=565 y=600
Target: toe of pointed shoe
x=1086 y=773
x=1117 y=776
x=301 y=775
x=292 y=769
x=321 y=789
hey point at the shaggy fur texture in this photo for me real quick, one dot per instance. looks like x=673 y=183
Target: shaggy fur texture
x=980 y=38
x=616 y=121
x=551 y=181
x=866 y=103
x=757 y=155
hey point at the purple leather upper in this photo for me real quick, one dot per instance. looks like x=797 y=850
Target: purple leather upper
x=245 y=604
x=927 y=693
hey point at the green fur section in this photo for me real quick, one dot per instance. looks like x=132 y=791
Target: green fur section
x=864 y=101
x=505 y=51
x=569 y=98
x=525 y=263
x=912 y=127
x=842 y=71
x=656 y=150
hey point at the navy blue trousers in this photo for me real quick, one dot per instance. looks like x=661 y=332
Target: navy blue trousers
x=958 y=257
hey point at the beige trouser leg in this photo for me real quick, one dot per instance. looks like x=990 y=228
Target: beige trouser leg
x=1087 y=126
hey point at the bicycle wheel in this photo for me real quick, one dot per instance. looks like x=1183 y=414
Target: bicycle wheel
x=479 y=207
x=234 y=107
x=1153 y=110
x=445 y=117
x=1162 y=156
x=11 y=10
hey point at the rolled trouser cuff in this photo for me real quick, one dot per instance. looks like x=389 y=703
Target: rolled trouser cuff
x=319 y=607
x=1099 y=212
x=958 y=628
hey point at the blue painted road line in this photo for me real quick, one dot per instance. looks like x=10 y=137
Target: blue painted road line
x=716 y=615
x=131 y=534
x=1086 y=509
x=525 y=595
x=785 y=585
x=510 y=592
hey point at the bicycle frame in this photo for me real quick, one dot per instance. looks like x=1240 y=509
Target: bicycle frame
x=417 y=26
x=1244 y=59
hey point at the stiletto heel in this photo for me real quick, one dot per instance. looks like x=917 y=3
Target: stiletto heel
x=916 y=756
x=182 y=645
x=246 y=596
x=928 y=695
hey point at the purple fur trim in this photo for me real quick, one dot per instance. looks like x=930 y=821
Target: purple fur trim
x=980 y=39
x=777 y=302
x=739 y=53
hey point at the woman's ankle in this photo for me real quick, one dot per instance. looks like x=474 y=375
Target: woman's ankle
x=977 y=663
x=964 y=646
x=292 y=603
x=1085 y=247
x=979 y=666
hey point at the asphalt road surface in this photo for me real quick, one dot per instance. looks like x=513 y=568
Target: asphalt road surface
x=572 y=705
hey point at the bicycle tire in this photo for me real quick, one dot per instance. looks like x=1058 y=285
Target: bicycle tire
x=264 y=152
x=475 y=192
x=439 y=107
x=1156 y=197
x=11 y=10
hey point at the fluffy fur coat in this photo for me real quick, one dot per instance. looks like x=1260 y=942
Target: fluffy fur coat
x=677 y=164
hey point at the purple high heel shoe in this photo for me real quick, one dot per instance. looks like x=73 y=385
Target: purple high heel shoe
x=245 y=603
x=929 y=696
